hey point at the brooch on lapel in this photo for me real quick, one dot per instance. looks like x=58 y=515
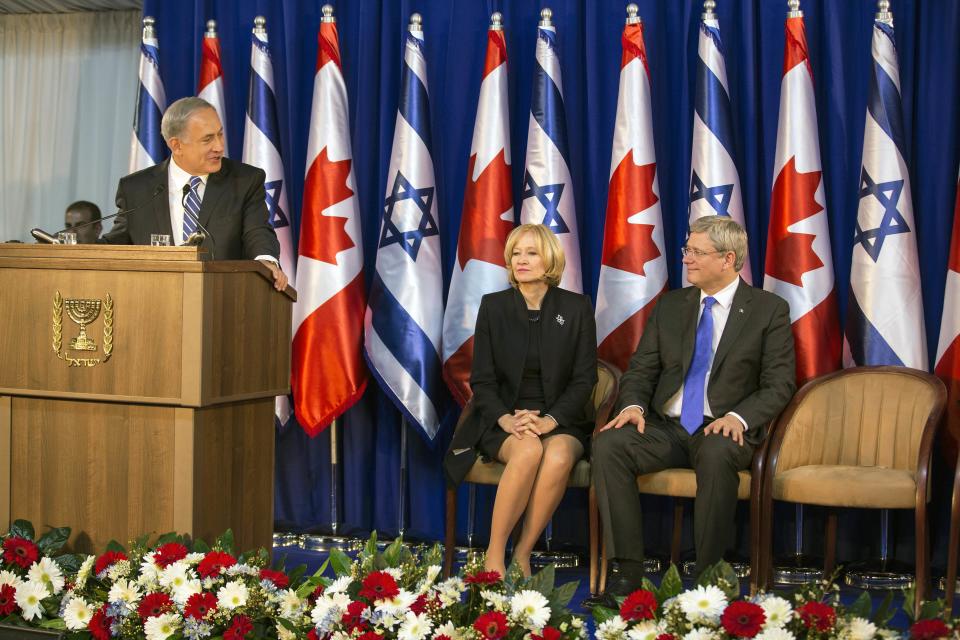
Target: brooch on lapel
x=560 y=320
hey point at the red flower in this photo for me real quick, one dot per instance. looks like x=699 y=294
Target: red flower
x=420 y=604
x=153 y=604
x=743 y=619
x=239 y=628
x=107 y=560
x=8 y=600
x=20 y=551
x=444 y=636
x=370 y=635
x=351 y=617
x=199 y=605
x=483 y=577
x=492 y=625
x=213 y=563
x=167 y=554
x=816 y=615
x=639 y=605
x=379 y=585
x=99 y=625
x=549 y=633
x=312 y=635
x=666 y=636
x=278 y=578
x=316 y=593
x=929 y=629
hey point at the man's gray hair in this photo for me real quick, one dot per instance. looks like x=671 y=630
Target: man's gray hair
x=176 y=116
x=725 y=234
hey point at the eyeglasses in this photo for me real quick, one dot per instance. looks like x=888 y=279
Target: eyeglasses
x=696 y=253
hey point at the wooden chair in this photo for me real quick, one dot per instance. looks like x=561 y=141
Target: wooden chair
x=598 y=408
x=857 y=438
x=682 y=483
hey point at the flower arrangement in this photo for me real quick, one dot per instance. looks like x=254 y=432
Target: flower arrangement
x=713 y=610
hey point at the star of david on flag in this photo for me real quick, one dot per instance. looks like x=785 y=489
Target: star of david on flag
x=548 y=196
x=404 y=319
x=275 y=213
x=885 y=316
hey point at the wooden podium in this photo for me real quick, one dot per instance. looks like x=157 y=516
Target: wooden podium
x=137 y=391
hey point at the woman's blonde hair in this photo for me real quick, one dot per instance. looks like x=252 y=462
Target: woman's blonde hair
x=548 y=247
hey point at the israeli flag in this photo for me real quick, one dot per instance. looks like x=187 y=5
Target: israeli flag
x=261 y=148
x=885 y=315
x=547 y=186
x=714 y=180
x=146 y=145
x=404 y=319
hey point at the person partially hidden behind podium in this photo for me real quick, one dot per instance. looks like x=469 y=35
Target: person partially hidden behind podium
x=197 y=189
x=715 y=364
x=82 y=217
x=534 y=368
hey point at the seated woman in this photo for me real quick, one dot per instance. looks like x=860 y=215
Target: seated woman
x=534 y=369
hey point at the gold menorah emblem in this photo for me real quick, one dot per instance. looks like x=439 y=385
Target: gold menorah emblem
x=83 y=312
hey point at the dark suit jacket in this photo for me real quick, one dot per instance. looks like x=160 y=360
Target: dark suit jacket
x=568 y=364
x=234 y=210
x=753 y=372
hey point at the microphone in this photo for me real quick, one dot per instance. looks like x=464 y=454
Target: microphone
x=196 y=239
x=43 y=236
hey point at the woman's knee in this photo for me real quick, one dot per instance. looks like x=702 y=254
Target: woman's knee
x=526 y=451
x=561 y=453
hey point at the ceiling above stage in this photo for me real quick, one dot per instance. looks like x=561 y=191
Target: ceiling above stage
x=67 y=6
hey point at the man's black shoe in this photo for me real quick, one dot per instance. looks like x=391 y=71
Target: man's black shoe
x=625 y=577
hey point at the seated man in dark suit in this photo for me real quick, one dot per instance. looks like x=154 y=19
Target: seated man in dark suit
x=81 y=217
x=715 y=364
x=195 y=189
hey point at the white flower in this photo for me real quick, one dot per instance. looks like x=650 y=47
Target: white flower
x=161 y=627
x=612 y=629
x=449 y=591
x=888 y=634
x=496 y=600
x=124 y=591
x=194 y=558
x=339 y=585
x=329 y=606
x=531 y=609
x=46 y=571
x=284 y=634
x=182 y=592
x=432 y=572
x=290 y=604
x=29 y=597
x=77 y=614
x=448 y=629
x=232 y=595
x=395 y=572
x=176 y=575
x=703 y=603
x=778 y=612
x=860 y=629
x=149 y=574
x=396 y=606
x=84 y=573
x=414 y=627
x=121 y=569
x=241 y=569
x=10 y=578
x=700 y=633
x=777 y=633
x=645 y=630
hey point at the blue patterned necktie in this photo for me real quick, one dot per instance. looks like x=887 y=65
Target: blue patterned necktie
x=191 y=208
x=694 y=385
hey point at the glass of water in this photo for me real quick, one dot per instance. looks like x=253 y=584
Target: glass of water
x=159 y=240
x=67 y=237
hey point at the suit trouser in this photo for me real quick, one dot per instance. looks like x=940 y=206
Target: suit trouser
x=620 y=455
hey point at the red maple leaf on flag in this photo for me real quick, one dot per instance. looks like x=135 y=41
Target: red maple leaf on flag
x=482 y=231
x=323 y=237
x=790 y=255
x=629 y=246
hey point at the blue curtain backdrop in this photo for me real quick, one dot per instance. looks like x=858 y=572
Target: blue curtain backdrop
x=371 y=31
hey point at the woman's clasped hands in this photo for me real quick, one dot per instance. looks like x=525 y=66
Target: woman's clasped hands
x=526 y=422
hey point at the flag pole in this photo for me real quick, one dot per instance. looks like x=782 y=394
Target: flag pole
x=402 y=502
x=334 y=476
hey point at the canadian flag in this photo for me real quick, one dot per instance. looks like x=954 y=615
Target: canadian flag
x=487 y=219
x=210 y=87
x=328 y=374
x=948 y=349
x=633 y=269
x=799 y=265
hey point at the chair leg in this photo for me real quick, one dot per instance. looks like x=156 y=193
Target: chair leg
x=830 y=545
x=603 y=565
x=677 y=530
x=922 y=588
x=450 y=545
x=594 y=516
x=953 y=542
x=755 y=555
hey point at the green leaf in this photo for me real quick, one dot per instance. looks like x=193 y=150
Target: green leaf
x=296 y=575
x=113 y=545
x=70 y=563
x=722 y=576
x=908 y=595
x=167 y=538
x=340 y=562
x=884 y=612
x=543 y=581
x=286 y=624
x=55 y=623
x=391 y=554
x=862 y=606
x=562 y=595
x=670 y=586
x=22 y=529
x=371 y=547
x=225 y=541
x=601 y=614
x=931 y=609
x=201 y=546
x=52 y=541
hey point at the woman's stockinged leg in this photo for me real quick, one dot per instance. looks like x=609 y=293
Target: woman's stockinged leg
x=522 y=459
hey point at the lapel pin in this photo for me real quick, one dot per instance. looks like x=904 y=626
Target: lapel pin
x=560 y=320
x=740 y=309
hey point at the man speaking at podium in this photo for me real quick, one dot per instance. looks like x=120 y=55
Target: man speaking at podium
x=197 y=192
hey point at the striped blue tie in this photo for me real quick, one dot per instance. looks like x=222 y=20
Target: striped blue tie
x=191 y=208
